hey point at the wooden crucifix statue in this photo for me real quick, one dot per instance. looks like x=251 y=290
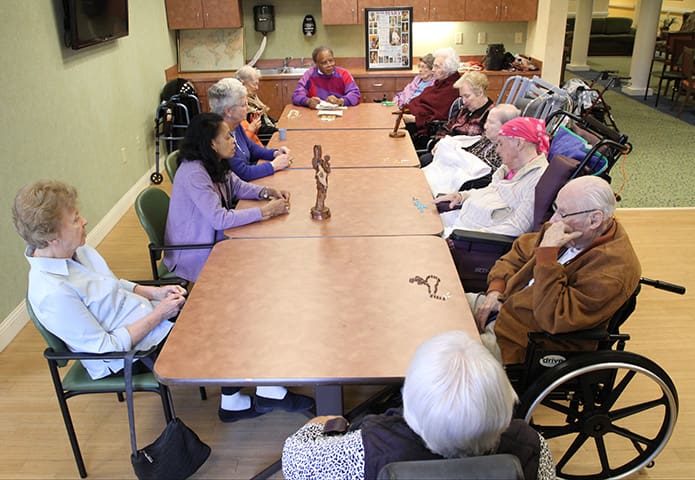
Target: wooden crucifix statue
x=322 y=167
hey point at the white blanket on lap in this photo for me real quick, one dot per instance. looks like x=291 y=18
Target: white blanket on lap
x=452 y=166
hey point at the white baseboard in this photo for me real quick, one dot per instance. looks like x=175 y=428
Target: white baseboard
x=15 y=321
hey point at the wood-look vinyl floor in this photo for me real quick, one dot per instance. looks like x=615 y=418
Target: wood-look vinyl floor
x=35 y=445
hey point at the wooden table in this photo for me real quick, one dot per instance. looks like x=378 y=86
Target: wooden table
x=313 y=311
x=361 y=117
x=356 y=148
x=374 y=201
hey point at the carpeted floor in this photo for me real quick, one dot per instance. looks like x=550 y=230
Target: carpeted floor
x=659 y=172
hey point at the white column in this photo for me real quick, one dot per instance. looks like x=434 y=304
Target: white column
x=580 y=39
x=642 y=54
x=543 y=41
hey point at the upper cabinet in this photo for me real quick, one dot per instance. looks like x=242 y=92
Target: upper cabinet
x=347 y=12
x=362 y=4
x=501 y=10
x=198 y=14
x=444 y=11
x=339 y=12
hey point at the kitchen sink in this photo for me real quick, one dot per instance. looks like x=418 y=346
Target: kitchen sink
x=284 y=71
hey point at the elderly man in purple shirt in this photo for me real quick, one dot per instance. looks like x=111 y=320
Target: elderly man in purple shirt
x=326 y=82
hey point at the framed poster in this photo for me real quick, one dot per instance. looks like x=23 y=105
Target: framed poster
x=388 y=38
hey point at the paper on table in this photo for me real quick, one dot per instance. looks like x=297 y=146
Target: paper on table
x=324 y=105
x=330 y=113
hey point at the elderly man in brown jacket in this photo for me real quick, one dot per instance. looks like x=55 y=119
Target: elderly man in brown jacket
x=572 y=275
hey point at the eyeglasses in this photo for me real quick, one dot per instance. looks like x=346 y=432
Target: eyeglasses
x=565 y=215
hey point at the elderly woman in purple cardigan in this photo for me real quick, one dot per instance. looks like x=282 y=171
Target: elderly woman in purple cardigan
x=201 y=208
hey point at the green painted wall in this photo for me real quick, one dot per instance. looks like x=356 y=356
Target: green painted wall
x=69 y=114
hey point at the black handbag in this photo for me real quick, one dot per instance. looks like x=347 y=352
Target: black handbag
x=175 y=455
x=494 y=59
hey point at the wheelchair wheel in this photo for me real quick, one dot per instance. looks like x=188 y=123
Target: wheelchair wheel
x=156 y=178
x=605 y=415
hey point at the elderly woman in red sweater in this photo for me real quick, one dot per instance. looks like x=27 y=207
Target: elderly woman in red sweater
x=435 y=100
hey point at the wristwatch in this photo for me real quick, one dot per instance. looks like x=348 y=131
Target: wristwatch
x=264 y=194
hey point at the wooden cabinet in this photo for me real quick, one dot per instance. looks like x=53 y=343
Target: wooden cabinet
x=501 y=10
x=376 y=88
x=446 y=11
x=362 y=4
x=199 y=14
x=339 y=12
x=437 y=10
x=276 y=94
x=201 y=89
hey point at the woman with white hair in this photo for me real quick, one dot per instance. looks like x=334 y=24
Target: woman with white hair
x=467 y=161
x=457 y=402
x=229 y=98
x=434 y=102
x=258 y=122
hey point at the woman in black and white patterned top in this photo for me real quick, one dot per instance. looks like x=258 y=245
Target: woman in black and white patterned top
x=457 y=402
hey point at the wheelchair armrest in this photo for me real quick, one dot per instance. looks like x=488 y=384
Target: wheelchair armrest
x=482 y=237
x=444 y=206
x=596 y=334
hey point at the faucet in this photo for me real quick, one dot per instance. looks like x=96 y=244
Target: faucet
x=286 y=64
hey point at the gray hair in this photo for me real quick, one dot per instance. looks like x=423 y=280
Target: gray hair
x=247 y=73
x=38 y=210
x=451 y=59
x=505 y=112
x=477 y=80
x=428 y=60
x=593 y=192
x=456 y=396
x=317 y=50
x=226 y=93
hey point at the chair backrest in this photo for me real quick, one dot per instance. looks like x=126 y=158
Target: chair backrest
x=52 y=341
x=152 y=208
x=688 y=63
x=677 y=51
x=171 y=164
x=497 y=467
x=454 y=108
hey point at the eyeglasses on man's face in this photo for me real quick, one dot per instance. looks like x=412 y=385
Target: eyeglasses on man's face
x=565 y=215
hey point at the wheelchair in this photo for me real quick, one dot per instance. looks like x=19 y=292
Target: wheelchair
x=605 y=413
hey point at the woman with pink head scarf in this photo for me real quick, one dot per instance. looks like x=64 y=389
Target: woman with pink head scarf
x=505 y=205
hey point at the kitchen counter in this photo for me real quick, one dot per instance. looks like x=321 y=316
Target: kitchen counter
x=375 y=85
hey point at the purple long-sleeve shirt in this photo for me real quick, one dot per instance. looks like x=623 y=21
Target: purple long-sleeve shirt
x=246 y=154
x=197 y=215
x=315 y=84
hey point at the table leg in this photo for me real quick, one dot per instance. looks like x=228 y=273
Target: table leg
x=329 y=400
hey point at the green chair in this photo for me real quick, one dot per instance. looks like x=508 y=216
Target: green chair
x=171 y=164
x=152 y=208
x=78 y=382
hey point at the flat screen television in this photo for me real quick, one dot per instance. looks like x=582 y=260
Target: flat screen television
x=90 y=22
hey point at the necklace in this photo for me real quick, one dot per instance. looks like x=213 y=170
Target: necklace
x=431 y=288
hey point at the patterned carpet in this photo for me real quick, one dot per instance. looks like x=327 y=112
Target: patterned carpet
x=659 y=172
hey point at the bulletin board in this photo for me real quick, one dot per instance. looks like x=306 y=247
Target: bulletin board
x=388 y=38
